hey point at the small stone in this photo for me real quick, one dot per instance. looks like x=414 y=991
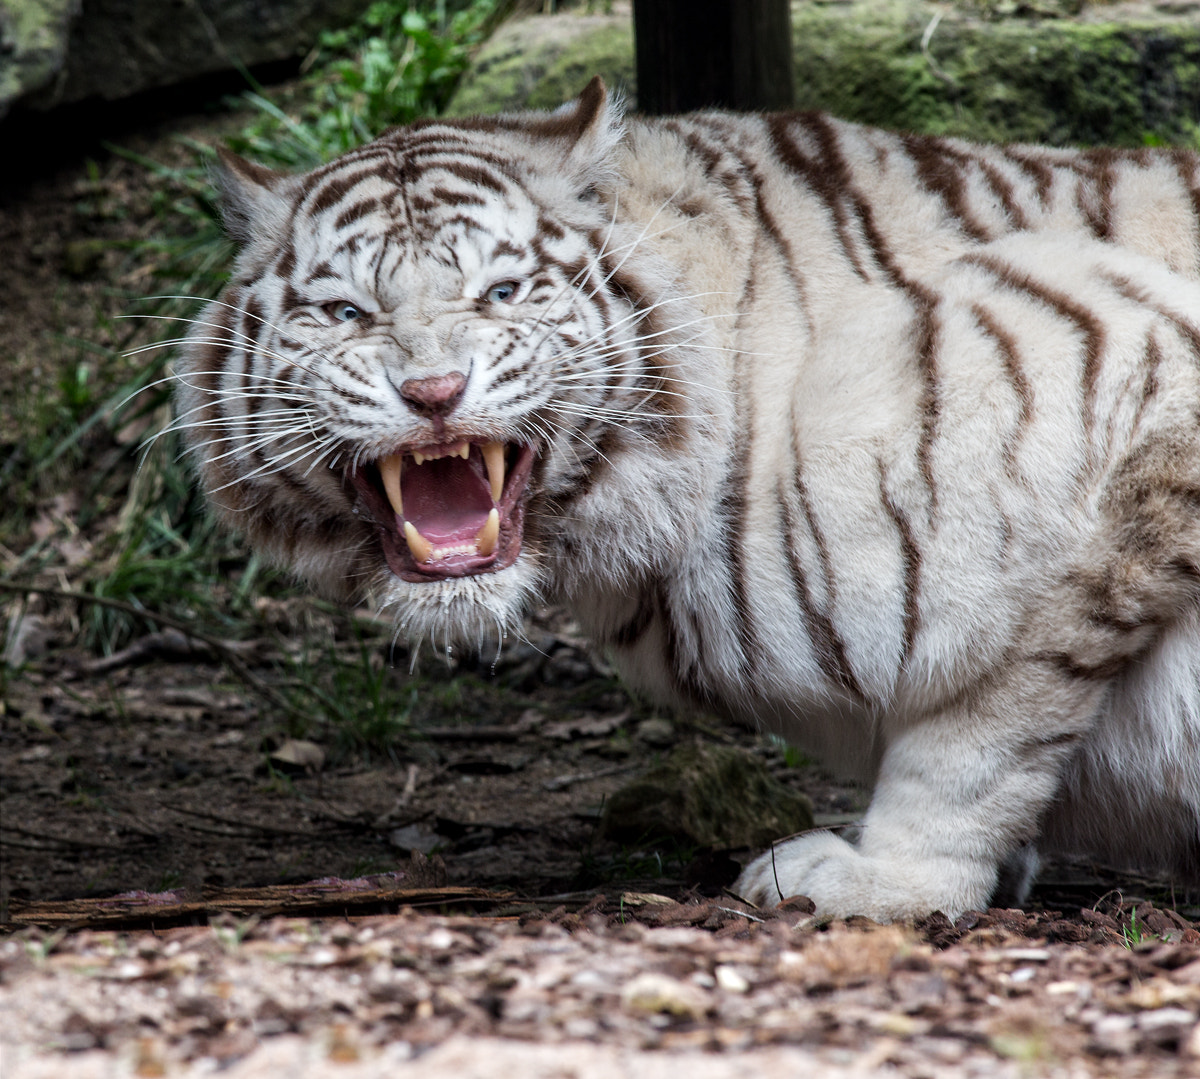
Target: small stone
x=730 y=980
x=659 y=994
x=1166 y=1026
x=439 y=939
x=1115 y=1035
x=656 y=732
x=296 y=757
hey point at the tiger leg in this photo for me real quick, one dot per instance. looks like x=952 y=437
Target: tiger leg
x=960 y=791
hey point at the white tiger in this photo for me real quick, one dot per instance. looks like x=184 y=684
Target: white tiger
x=889 y=444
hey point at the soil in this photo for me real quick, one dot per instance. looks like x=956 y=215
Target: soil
x=196 y=876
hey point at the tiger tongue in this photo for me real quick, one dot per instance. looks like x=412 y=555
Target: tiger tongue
x=447 y=500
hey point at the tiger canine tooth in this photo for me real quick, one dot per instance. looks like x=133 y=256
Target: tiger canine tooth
x=389 y=471
x=422 y=549
x=493 y=457
x=485 y=542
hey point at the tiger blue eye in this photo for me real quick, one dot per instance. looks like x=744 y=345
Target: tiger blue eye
x=343 y=311
x=502 y=292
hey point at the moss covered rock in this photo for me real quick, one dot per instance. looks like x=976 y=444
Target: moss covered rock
x=540 y=61
x=1089 y=79
x=33 y=42
x=707 y=795
x=1070 y=72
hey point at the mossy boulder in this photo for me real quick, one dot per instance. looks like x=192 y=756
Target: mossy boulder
x=538 y=62
x=33 y=43
x=58 y=52
x=1069 y=73
x=707 y=795
x=1089 y=79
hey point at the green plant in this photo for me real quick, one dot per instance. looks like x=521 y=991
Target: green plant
x=357 y=699
x=400 y=61
x=1134 y=932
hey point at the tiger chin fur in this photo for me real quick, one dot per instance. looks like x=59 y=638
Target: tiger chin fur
x=889 y=444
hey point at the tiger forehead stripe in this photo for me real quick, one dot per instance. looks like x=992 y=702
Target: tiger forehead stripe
x=337 y=186
x=356 y=211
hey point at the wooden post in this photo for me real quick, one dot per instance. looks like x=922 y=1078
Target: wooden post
x=696 y=54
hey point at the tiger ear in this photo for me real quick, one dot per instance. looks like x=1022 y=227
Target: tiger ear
x=591 y=126
x=253 y=198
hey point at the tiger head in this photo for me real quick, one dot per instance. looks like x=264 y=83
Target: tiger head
x=433 y=359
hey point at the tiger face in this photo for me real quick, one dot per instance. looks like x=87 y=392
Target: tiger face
x=426 y=350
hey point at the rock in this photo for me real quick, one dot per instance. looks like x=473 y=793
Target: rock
x=661 y=994
x=33 y=44
x=298 y=757
x=712 y=796
x=539 y=61
x=55 y=52
x=28 y=636
x=656 y=732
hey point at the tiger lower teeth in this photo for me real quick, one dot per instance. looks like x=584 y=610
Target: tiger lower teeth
x=489 y=534
x=485 y=542
x=422 y=550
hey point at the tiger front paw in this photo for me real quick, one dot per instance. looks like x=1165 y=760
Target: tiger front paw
x=843 y=881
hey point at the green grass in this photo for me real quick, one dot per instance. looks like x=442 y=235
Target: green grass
x=1134 y=933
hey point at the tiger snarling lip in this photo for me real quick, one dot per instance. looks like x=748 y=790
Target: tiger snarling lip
x=448 y=510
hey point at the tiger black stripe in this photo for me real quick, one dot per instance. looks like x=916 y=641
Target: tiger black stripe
x=443 y=196
x=716 y=164
x=910 y=553
x=1040 y=173
x=1099 y=166
x=334 y=190
x=628 y=634
x=356 y=212
x=732 y=509
x=1085 y=320
x=783 y=248
x=1186 y=327
x=828 y=646
x=1150 y=367
x=688 y=680
x=1007 y=347
x=942 y=171
x=826 y=184
x=1077 y=669
x=1188 y=170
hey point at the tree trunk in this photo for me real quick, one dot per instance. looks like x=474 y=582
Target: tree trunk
x=695 y=54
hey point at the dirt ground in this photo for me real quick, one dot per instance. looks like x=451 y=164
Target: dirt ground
x=192 y=880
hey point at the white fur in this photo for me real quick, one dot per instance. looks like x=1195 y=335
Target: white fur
x=904 y=574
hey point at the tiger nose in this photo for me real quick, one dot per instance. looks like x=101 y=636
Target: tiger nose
x=434 y=396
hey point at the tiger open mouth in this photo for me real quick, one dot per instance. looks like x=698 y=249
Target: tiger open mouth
x=450 y=510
